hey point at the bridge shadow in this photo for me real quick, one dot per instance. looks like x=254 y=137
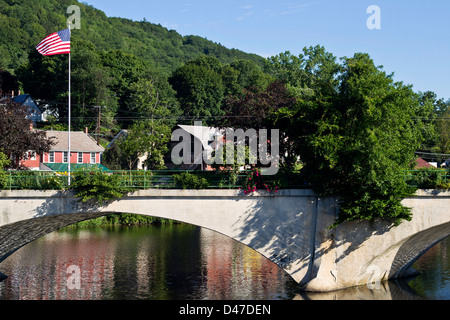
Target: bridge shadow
x=298 y=238
x=65 y=202
x=280 y=230
x=352 y=235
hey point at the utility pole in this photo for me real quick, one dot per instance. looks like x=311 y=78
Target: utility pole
x=98 y=123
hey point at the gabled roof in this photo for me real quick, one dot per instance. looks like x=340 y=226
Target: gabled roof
x=204 y=134
x=79 y=141
x=26 y=100
x=122 y=133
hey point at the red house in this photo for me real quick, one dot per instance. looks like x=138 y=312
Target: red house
x=83 y=151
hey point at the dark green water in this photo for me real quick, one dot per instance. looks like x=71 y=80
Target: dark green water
x=179 y=262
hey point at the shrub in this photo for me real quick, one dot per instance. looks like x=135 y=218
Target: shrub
x=188 y=180
x=4 y=161
x=255 y=181
x=432 y=178
x=102 y=187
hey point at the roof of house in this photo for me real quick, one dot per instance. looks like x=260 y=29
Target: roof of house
x=79 y=141
x=122 y=133
x=26 y=100
x=421 y=163
x=204 y=134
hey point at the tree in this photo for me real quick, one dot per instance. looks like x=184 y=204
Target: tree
x=16 y=134
x=256 y=110
x=437 y=130
x=149 y=135
x=90 y=87
x=46 y=78
x=155 y=130
x=125 y=71
x=8 y=82
x=243 y=75
x=356 y=143
x=144 y=139
x=443 y=131
x=199 y=88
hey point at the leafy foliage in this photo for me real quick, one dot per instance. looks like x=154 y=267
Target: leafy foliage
x=188 y=180
x=97 y=185
x=134 y=219
x=4 y=162
x=15 y=133
x=431 y=178
x=355 y=130
x=30 y=21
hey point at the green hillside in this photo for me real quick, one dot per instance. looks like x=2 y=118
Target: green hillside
x=24 y=23
x=134 y=70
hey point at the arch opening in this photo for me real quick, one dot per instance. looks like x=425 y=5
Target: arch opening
x=21 y=233
x=81 y=250
x=414 y=248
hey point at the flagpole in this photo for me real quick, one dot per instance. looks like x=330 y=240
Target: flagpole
x=68 y=153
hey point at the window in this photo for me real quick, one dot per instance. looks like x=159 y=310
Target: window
x=65 y=157
x=80 y=157
x=92 y=157
x=51 y=157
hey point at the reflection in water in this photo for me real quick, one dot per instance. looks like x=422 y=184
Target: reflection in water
x=168 y=262
x=434 y=281
x=179 y=262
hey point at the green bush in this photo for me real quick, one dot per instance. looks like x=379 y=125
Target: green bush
x=188 y=180
x=97 y=185
x=3 y=179
x=135 y=219
x=432 y=178
x=4 y=161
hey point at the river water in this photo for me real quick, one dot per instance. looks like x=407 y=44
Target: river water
x=180 y=262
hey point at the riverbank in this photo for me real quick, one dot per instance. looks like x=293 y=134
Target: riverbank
x=123 y=219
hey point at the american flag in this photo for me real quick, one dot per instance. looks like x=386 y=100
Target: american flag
x=56 y=43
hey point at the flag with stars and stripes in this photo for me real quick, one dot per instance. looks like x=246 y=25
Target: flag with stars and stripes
x=56 y=43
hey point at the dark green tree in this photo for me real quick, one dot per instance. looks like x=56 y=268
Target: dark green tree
x=199 y=88
x=357 y=138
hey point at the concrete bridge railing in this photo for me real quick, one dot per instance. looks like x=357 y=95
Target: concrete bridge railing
x=289 y=227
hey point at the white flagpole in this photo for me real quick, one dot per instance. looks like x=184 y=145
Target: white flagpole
x=68 y=153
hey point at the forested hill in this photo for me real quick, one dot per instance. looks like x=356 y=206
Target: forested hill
x=24 y=23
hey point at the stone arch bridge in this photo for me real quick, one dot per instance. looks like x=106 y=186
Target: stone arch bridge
x=290 y=228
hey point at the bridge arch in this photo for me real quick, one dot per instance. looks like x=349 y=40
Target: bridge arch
x=289 y=228
x=24 y=232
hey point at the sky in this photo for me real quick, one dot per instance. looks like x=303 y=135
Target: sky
x=412 y=39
